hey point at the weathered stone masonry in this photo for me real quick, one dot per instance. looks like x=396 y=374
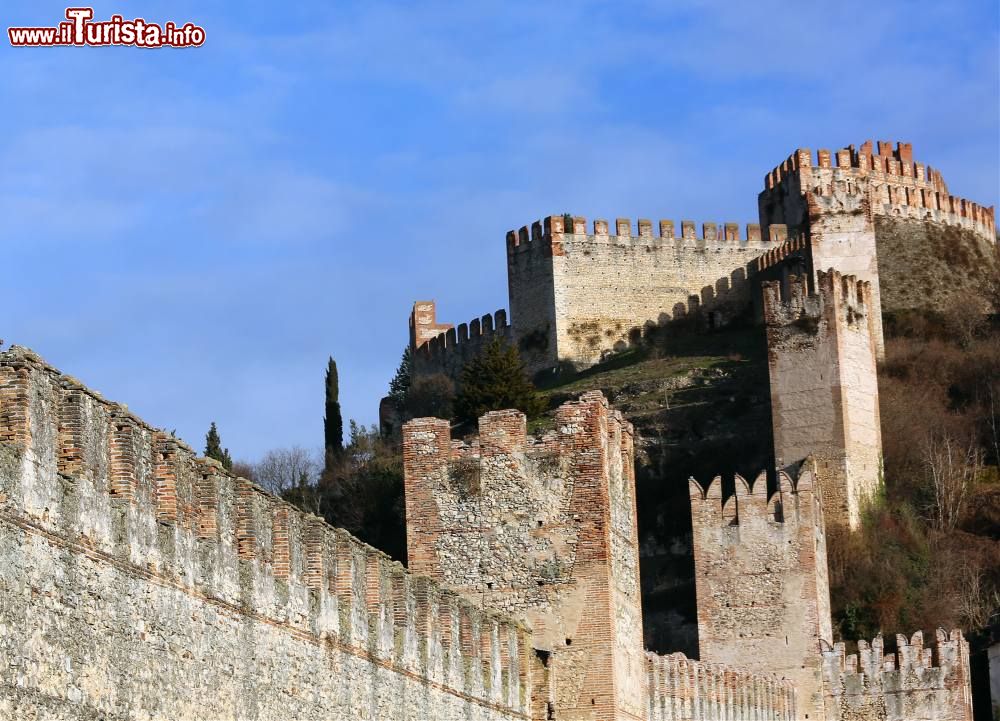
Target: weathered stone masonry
x=914 y=684
x=139 y=582
x=761 y=578
x=824 y=386
x=545 y=529
x=577 y=296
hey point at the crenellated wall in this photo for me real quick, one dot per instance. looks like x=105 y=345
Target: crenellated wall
x=577 y=296
x=913 y=684
x=761 y=580
x=443 y=348
x=138 y=581
x=578 y=293
x=685 y=690
x=824 y=386
x=895 y=184
x=543 y=529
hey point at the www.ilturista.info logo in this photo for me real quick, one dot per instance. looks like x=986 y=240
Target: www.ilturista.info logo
x=81 y=30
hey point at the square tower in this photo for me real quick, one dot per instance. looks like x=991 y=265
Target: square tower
x=545 y=529
x=824 y=386
x=762 y=581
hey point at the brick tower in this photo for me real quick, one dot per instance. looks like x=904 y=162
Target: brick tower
x=546 y=530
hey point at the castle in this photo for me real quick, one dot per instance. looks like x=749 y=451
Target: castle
x=140 y=581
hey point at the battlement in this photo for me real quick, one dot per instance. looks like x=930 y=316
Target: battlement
x=888 y=177
x=793 y=304
x=793 y=503
x=475 y=332
x=87 y=476
x=467 y=484
x=797 y=245
x=443 y=348
x=916 y=683
x=681 y=689
x=761 y=578
x=558 y=229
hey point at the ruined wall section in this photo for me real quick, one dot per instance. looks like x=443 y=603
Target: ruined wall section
x=761 y=580
x=607 y=288
x=445 y=348
x=544 y=529
x=681 y=689
x=137 y=581
x=914 y=684
x=824 y=387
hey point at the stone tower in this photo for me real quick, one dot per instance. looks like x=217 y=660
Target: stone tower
x=824 y=387
x=545 y=529
x=761 y=580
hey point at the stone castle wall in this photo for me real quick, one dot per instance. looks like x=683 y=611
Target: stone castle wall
x=137 y=581
x=824 y=386
x=761 y=580
x=443 y=348
x=576 y=296
x=895 y=185
x=544 y=529
x=686 y=690
x=914 y=684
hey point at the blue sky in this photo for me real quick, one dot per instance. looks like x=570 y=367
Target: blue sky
x=192 y=232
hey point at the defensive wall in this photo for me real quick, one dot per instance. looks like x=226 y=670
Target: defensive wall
x=577 y=295
x=445 y=348
x=764 y=605
x=545 y=529
x=140 y=582
x=916 y=683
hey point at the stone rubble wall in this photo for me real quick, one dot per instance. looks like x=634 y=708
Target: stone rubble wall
x=914 y=684
x=761 y=580
x=140 y=582
x=543 y=529
x=686 y=690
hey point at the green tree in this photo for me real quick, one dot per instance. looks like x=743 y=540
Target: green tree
x=362 y=491
x=496 y=380
x=431 y=395
x=214 y=449
x=399 y=386
x=333 y=422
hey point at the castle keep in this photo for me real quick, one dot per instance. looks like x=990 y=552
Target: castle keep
x=576 y=296
x=139 y=581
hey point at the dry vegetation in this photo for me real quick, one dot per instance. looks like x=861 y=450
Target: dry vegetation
x=929 y=552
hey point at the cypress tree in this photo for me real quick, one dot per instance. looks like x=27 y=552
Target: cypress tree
x=214 y=449
x=399 y=386
x=496 y=380
x=333 y=422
